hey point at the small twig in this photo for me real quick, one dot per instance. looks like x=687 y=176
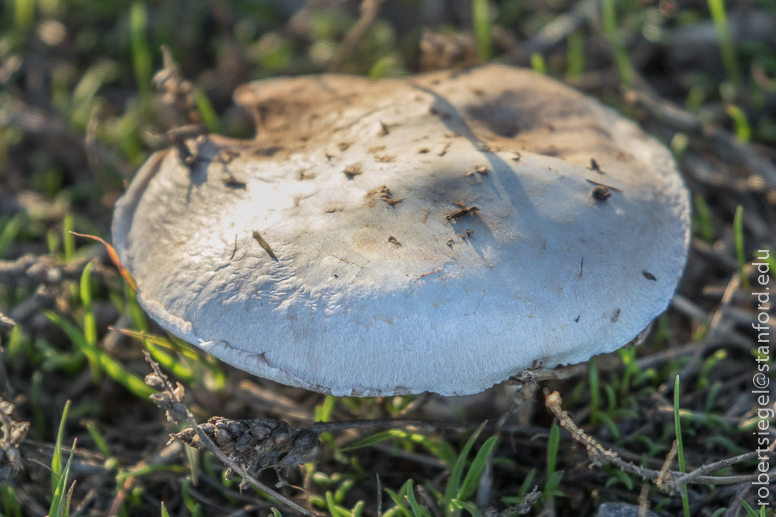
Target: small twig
x=529 y=499
x=672 y=480
x=711 y=467
x=379 y=497
x=722 y=142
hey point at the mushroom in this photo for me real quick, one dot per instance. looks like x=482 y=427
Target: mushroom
x=437 y=233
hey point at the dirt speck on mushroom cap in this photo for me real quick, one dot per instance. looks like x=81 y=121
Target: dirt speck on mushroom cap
x=345 y=310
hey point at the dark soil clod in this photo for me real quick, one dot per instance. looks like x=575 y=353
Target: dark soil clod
x=601 y=193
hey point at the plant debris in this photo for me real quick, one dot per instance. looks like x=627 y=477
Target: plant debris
x=265 y=245
x=462 y=212
x=13 y=434
x=353 y=170
x=257 y=444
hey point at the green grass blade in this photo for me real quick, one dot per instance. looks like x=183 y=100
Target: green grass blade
x=680 y=446
x=749 y=510
x=416 y=511
x=90 y=323
x=139 y=472
x=375 y=438
x=68 y=224
x=23 y=14
x=68 y=498
x=59 y=504
x=481 y=21
x=475 y=471
x=537 y=63
x=154 y=344
x=276 y=512
x=56 y=461
x=743 y=129
x=141 y=56
x=172 y=364
x=618 y=48
x=209 y=115
x=397 y=499
x=10 y=231
x=609 y=423
x=551 y=487
x=576 y=56
x=469 y=507
x=528 y=481
x=334 y=509
x=704 y=218
x=717 y=9
x=99 y=439
x=109 y=365
x=324 y=410
x=454 y=483
x=10 y=504
x=166 y=514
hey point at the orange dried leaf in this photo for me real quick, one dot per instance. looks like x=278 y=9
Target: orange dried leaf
x=114 y=256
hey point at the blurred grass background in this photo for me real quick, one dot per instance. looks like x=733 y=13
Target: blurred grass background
x=78 y=111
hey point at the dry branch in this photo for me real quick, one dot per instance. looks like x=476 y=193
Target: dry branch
x=670 y=481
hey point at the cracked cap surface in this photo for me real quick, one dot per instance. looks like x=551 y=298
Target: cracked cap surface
x=436 y=233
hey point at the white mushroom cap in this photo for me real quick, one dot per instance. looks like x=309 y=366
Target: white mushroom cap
x=437 y=233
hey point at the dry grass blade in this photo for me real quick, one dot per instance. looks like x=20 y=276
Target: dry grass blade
x=114 y=256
